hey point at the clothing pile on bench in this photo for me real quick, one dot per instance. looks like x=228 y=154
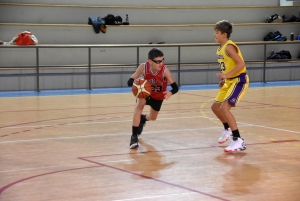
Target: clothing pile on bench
x=99 y=23
x=283 y=54
x=275 y=36
x=278 y=19
x=22 y=38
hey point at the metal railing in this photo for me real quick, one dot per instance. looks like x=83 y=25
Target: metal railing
x=138 y=46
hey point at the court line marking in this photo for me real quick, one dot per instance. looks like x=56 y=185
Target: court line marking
x=67 y=124
x=157 y=196
x=42 y=168
x=154 y=179
x=103 y=135
x=143 y=152
x=121 y=90
x=2 y=189
x=122 y=170
x=163 y=119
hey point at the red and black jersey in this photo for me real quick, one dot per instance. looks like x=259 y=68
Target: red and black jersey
x=157 y=80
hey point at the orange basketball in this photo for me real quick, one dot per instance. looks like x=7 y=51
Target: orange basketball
x=141 y=88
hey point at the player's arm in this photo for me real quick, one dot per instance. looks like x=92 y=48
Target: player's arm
x=232 y=51
x=173 y=84
x=136 y=74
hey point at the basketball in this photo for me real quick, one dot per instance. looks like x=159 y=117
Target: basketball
x=141 y=88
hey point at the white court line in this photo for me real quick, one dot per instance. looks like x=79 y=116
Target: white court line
x=88 y=123
x=97 y=122
x=162 y=119
x=278 y=129
x=10 y=127
x=67 y=124
x=101 y=122
x=151 y=197
x=104 y=135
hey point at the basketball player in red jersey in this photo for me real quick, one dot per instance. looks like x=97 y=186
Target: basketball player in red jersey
x=157 y=73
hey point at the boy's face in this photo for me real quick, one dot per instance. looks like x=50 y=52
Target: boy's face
x=220 y=37
x=157 y=63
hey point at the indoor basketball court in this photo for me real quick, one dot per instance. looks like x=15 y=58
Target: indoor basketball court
x=76 y=147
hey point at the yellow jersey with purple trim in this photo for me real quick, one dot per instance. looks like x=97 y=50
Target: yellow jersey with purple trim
x=226 y=63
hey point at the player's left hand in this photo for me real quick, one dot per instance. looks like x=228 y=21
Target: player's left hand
x=167 y=94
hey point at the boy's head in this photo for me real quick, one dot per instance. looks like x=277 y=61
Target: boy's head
x=155 y=52
x=224 y=27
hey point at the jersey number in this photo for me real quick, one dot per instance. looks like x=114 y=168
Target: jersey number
x=222 y=66
x=156 y=88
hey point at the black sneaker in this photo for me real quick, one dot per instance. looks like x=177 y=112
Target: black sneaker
x=283 y=38
x=141 y=126
x=269 y=37
x=134 y=142
x=272 y=36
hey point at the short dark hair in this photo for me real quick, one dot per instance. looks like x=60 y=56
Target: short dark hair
x=155 y=52
x=224 y=26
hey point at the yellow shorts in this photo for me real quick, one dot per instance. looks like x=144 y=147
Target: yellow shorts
x=233 y=89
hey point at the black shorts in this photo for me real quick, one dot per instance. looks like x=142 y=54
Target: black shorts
x=155 y=104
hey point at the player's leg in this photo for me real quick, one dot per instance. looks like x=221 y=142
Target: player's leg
x=155 y=106
x=227 y=115
x=216 y=110
x=135 y=122
x=143 y=117
x=152 y=116
x=226 y=134
x=142 y=123
x=235 y=93
x=237 y=143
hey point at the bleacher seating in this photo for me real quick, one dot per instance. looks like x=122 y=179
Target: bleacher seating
x=191 y=21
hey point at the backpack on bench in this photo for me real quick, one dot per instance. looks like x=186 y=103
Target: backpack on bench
x=283 y=54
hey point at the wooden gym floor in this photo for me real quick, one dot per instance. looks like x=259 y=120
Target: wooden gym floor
x=76 y=147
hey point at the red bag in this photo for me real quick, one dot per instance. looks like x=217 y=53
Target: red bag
x=25 y=38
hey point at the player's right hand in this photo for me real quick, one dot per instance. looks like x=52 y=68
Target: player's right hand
x=221 y=82
x=167 y=95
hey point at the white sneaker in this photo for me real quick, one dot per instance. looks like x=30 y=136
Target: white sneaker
x=236 y=145
x=225 y=136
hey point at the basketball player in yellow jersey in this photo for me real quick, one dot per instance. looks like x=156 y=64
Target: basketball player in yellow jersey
x=233 y=84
